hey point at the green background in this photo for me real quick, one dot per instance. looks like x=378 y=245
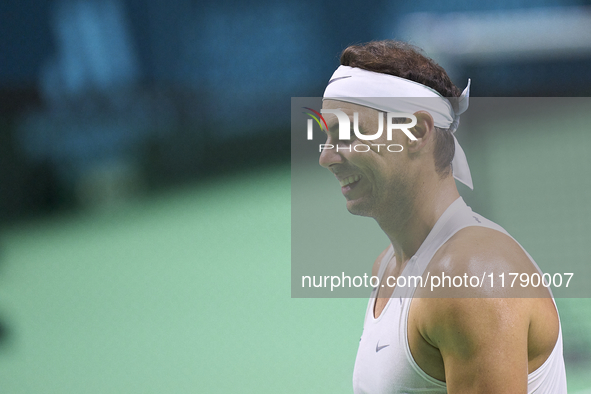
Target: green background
x=188 y=291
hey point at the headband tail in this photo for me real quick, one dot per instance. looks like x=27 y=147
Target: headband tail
x=464 y=99
x=461 y=171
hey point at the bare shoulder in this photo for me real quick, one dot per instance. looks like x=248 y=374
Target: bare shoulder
x=473 y=297
x=485 y=313
x=376 y=264
x=475 y=288
x=480 y=248
x=487 y=260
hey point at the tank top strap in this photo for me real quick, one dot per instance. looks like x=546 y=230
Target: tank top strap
x=457 y=217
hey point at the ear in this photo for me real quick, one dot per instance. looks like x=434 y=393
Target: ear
x=423 y=131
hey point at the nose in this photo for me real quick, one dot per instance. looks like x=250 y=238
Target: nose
x=329 y=155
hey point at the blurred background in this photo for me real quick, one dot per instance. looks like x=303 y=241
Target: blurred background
x=145 y=182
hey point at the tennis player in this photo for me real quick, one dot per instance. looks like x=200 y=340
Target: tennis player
x=420 y=339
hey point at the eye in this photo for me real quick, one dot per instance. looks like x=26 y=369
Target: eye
x=346 y=142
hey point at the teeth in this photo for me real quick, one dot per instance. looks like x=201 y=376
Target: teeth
x=349 y=180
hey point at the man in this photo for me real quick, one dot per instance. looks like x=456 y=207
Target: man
x=482 y=340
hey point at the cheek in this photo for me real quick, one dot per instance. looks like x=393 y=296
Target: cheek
x=379 y=145
x=376 y=146
x=366 y=157
x=361 y=147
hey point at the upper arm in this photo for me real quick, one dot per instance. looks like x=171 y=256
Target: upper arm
x=483 y=340
x=483 y=343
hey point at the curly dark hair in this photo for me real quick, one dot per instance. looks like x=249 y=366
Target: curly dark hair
x=408 y=61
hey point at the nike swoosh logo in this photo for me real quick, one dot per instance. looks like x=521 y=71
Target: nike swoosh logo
x=378 y=347
x=336 y=79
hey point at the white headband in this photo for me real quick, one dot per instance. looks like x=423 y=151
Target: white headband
x=368 y=88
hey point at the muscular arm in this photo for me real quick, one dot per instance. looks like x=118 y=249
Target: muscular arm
x=483 y=343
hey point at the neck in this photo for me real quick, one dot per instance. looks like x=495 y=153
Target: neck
x=410 y=222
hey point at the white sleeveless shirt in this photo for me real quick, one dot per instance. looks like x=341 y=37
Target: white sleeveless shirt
x=384 y=362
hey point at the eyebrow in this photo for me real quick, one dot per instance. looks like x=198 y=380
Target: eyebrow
x=334 y=123
x=332 y=127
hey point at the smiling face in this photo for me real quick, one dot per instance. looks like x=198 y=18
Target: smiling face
x=373 y=179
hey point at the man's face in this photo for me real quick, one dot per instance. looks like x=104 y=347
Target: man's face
x=373 y=182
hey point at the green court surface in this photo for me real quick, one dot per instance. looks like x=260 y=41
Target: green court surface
x=184 y=292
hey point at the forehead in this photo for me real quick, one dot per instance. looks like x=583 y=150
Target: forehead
x=349 y=109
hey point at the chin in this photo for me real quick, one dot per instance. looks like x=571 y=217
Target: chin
x=358 y=208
